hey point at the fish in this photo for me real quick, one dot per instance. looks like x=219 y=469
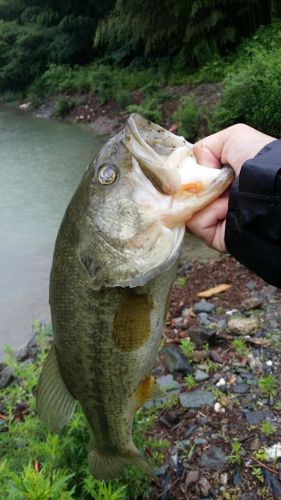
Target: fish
x=114 y=265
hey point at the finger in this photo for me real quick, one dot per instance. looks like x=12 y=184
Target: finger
x=209 y=223
x=204 y=155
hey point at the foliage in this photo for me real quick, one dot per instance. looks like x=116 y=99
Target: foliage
x=240 y=346
x=267 y=428
x=190 y=382
x=38 y=465
x=252 y=86
x=187 y=347
x=196 y=30
x=268 y=385
x=236 y=452
x=188 y=117
x=63 y=107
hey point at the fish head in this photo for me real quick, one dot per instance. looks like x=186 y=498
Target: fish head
x=144 y=185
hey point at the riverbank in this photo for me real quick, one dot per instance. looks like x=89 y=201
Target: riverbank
x=107 y=119
x=218 y=433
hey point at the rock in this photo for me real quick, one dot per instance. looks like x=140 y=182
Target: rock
x=203 y=307
x=219 y=408
x=191 y=478
x=273 y=452
x=168 y=383
x=243 y=326
x=254 y=444
x=221 y=382
x=205 y=486
x=224 y=478
x=215 y=356
x=237 y=478
x=199 y=356
x=196 y=399
x=176 y=361
x=251 y=285
x=160 y=471
x=212 y=458
x=199 y=441
x=251 y=303
x=190 y=431
x=199 y=337
x=258 y=416
x=7 y=376
x=272 y=483
x=200 y=376
x=240 y=388
x=203 y=319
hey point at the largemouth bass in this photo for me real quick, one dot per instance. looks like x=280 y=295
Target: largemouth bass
x=114 y=264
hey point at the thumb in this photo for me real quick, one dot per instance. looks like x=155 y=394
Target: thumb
x=204 y=155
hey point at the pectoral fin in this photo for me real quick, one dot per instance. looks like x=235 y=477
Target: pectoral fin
x=55 y=405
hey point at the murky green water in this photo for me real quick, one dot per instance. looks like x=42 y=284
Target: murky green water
x=41 y=162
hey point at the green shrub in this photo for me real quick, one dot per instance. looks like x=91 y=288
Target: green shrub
x=188 y=117
x=63 y=107
x=252 y=88
x=38 y=465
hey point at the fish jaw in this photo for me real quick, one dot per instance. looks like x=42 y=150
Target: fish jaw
x=173 y=171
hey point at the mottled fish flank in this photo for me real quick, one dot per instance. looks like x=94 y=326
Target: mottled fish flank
x=114 y=264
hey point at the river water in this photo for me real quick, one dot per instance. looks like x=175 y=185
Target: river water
x=41 y=162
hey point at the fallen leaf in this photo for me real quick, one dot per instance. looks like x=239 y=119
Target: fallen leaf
x=213 y=291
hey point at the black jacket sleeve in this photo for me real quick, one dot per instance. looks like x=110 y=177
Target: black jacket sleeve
x=253 y=223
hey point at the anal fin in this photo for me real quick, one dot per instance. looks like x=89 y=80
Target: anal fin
x=148 y=389
x=55 y=405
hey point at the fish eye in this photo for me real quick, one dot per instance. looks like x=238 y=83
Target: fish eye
x=107 y=174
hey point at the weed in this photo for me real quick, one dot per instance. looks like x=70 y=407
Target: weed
x=188 y=117
x=63 y=107
x=267 y=428
x=235 y=457
x=278 y=406
x=257 y=473
x=260 y=455
x=190 y=382
x=240 y=346
x=269 y=385
x=187 y=347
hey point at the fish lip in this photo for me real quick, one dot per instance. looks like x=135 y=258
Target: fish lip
x=227 y=175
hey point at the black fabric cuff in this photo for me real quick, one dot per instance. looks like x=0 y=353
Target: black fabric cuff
x=253 y=223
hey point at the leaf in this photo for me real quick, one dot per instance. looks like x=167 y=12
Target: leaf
x=213 y=291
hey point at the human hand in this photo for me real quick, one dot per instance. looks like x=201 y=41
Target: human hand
x=231 y=146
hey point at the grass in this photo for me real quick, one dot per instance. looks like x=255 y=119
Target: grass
x=38 y=465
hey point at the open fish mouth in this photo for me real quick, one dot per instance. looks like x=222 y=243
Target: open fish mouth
x=168 y=162
x=172 y=187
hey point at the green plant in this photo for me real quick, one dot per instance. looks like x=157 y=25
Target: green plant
x=190 y=382
x=257 y=474
x=269 y=385
x=188 y=117
x=63 y=107
x=267 y=428
x=240 y=346
x=236 y=456
x=260 y=455
x=35 y=464
x=278 y=406
x=187 y=347
x=251 y=91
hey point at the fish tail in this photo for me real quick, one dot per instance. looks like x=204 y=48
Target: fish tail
x=107 y=467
